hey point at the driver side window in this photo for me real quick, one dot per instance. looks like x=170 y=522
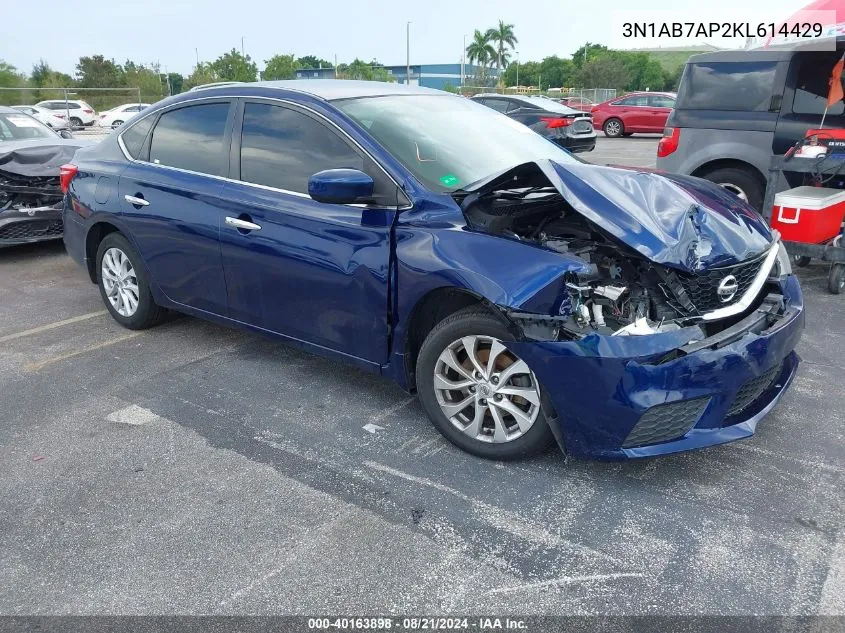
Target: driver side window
x=282 y=148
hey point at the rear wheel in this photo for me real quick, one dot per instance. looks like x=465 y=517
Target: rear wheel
x=75 y=121
x=117 y=124
x=124 y=287
x=739 y=181
x=836 y=279
x=613 y=128
x=481 y=396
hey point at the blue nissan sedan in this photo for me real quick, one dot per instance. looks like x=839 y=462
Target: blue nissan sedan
x=527 y=297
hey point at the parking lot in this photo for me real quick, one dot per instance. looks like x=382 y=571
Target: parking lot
x=196 y=469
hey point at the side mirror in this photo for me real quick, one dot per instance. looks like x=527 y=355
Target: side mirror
x=65 y=134
x=340 y=186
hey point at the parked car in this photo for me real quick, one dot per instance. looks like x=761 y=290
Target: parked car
x=51 y=119
x=729 y=135
x=31 y=155
x=635 y=112
x=117 y=116
x=78 y=112
x=522 y=293
x=578 y=103
x=566 y=127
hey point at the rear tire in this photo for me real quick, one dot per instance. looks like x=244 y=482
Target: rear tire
x=124 y=286
x=116 y=124
x=75 y=121
x=497 y=434
x=613 y=128
x=739 y=181
x=801 y=260
x=836 y=279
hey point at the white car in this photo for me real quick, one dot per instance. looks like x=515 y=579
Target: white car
x=118 y=116
x=55 y=120
x=78 y=112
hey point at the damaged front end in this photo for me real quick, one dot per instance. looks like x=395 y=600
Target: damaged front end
x=30 y=195
x=678 y=332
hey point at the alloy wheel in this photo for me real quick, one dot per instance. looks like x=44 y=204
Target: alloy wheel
x=613 y=128
x=737 y=191
x=485 y=390
x=120 y=282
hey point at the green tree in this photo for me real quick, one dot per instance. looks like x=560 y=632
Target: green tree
x=279 y=67
x=644 y=72
x=309 y=61
x=592 y=51
x=503 y=38
x=98 y=72
x=556 y=72
x=233 y=66
x=203 y=73
x=152 y=83
x=40 y=73
x=606 y=71
x=480 y=52
x=529 y=73
x=368 y=71
x=11 y=78
x=176 y=81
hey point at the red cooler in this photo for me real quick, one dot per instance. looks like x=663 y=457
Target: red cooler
x=811 y=215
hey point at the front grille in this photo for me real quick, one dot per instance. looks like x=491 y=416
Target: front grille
x=582 y=125
x=752 y=390
x=702 y=288
x=31 y=230
x=666 y=422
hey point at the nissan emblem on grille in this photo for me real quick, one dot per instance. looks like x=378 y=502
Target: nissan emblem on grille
x=727 y=288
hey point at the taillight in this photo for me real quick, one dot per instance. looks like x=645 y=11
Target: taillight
x=553 y=122
x=66 y=174
x=88 y=111
x=669 y=142
x=61 y=116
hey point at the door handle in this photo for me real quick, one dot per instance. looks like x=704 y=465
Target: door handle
x=138 y=202
x=242 y=224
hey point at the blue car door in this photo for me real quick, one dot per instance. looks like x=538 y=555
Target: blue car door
x=169 y=197
x=311 y=271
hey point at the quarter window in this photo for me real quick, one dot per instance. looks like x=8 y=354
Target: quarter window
x=497 y=104
x=661 y=101
x=283 y=148
x=641 y=100
x=812 y=84
x=133 y=138
x=192 y=138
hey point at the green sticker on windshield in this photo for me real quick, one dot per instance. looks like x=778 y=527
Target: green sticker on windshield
x=450 y=180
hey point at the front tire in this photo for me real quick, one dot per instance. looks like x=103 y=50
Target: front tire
x=481 y=396
x=836 y=279
x=613 y=128
x=124 y=286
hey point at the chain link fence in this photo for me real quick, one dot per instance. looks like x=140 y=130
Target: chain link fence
x=99 y=99
x=595 y=95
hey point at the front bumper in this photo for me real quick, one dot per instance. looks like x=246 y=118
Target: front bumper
x=24 y=226
x=602 y=387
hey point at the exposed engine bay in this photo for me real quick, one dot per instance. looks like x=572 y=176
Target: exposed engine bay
x=624 y=293
x=29 y=193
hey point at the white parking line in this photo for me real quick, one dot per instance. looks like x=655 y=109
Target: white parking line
x=133 y=414
x=51 y=326
x=91 y=348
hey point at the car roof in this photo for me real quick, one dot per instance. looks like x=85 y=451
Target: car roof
x=327 y=89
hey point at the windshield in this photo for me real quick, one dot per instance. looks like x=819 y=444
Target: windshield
x=449 y=142
x=20 y=126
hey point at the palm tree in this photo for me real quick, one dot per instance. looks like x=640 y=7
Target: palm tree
x=480 y=51
x=504 y=38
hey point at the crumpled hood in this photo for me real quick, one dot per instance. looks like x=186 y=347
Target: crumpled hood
x=38 y=157
x=679 y=221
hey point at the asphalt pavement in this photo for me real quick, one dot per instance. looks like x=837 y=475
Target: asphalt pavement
x=195 y=469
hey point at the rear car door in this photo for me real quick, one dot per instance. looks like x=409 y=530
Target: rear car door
x=633 y=111
x=313 y=271
x=659 y=109
x=169 y=197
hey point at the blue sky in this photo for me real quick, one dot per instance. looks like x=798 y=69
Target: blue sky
x=169 y=31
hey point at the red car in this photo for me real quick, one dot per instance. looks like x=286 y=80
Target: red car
x=635 y=112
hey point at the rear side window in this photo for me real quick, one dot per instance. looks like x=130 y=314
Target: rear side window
x=283 y=148
x=133 y=138
x=640 y=100
x=661 y=101
x=811 y=83
x=192 y=138
x=745 y=86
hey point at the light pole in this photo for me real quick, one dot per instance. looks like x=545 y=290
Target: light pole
x=463 y=58
x=408 y=50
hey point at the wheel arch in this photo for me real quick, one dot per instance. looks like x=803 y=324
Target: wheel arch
x=430 y=310
x=96 y=234
x=725 y=163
